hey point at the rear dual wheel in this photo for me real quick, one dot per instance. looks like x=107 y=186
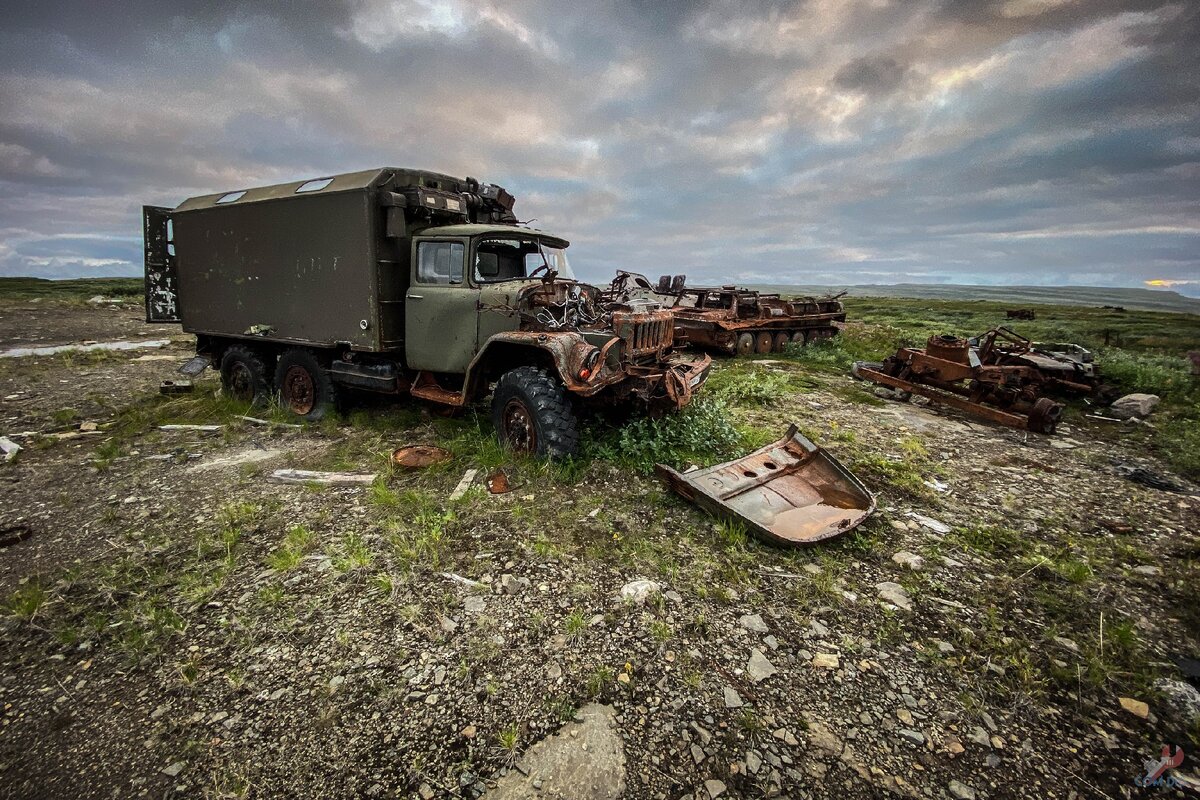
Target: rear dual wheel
x=305 y=387
x=245 y=376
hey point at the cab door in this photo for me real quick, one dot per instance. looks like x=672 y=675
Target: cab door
x=441 y=316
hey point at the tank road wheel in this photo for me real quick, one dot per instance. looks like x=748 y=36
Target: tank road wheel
x=745 y=344
x=533 y=415
x=779 y=342
x=305 y=388
x=798 y=338
x=244 y=375
x=762 y=342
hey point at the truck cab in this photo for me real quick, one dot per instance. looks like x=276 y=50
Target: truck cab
x=464 y=283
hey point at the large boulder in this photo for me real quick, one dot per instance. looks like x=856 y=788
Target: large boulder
x=1134 y=405
x=1181 y=702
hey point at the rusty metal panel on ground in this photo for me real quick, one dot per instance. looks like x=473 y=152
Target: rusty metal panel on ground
x=790 y=493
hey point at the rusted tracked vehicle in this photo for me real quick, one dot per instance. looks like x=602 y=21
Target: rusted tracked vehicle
x=404 y=282
x=736 y=321
x=1000 y=376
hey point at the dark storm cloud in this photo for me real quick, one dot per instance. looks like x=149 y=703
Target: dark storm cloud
x=815 y=142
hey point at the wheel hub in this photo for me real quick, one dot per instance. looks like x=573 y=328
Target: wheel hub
x=298 y=391
x=519 y=429
x=241 y=383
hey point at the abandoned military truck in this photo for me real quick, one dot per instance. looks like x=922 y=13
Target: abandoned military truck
x=409 y=282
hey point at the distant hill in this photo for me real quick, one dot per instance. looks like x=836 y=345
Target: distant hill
x=1016 y=296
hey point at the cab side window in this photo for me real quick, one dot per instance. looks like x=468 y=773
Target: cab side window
x=440 y=262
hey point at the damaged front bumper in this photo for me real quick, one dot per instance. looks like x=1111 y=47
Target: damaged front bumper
x=789 y=493
x=668 y=384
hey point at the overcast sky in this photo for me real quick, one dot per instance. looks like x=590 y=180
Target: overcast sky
x=826 y=142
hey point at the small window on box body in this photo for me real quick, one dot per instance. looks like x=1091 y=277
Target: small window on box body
x=314 y=185
x=231 y=197
x=440 y=263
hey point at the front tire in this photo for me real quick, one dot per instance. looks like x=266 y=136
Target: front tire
x=244 y=375
x=532 y=414
x=305 y=388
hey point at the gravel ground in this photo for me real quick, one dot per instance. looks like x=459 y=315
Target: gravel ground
x=174 y=624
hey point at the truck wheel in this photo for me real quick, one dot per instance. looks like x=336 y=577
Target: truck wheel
x=745 y=344
x=305 y=388
x=762 y=342
x=780 y=341
x=532 y=414
x=244 y=375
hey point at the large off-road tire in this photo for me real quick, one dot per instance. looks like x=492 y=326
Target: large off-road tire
x=305 y=387
x=532 y=414
x=745 y=344
x=245 y=376
x=762 y=342
x=779 y=342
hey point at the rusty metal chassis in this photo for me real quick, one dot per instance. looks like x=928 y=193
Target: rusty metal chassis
x=941 y=380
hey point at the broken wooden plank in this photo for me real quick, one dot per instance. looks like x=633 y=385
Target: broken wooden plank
x=190 y=427
x=467 y=479
x=303 y=476
x=257 y=421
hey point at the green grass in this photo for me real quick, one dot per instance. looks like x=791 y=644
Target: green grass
x=298 y=542
x=78 y=290
x=702 y=433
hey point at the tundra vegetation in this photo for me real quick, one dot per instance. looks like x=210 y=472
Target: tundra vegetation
x=268 y=640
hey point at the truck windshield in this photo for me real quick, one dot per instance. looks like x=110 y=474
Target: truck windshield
x=512 y=259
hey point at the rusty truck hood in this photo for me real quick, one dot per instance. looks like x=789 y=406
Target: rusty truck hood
x=790 y=493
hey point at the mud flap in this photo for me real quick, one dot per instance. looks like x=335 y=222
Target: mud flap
x=788 y=493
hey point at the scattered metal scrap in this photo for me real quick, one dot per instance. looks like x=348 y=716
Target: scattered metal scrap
x=1152 y=479
x=176 y=387
x=419 y=456
x=999 y=376
x=9 y=448
x=1066 y=368
x=497 y=483
x=790 y=493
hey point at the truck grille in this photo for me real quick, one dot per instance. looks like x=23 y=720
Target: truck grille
x=645 y=332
